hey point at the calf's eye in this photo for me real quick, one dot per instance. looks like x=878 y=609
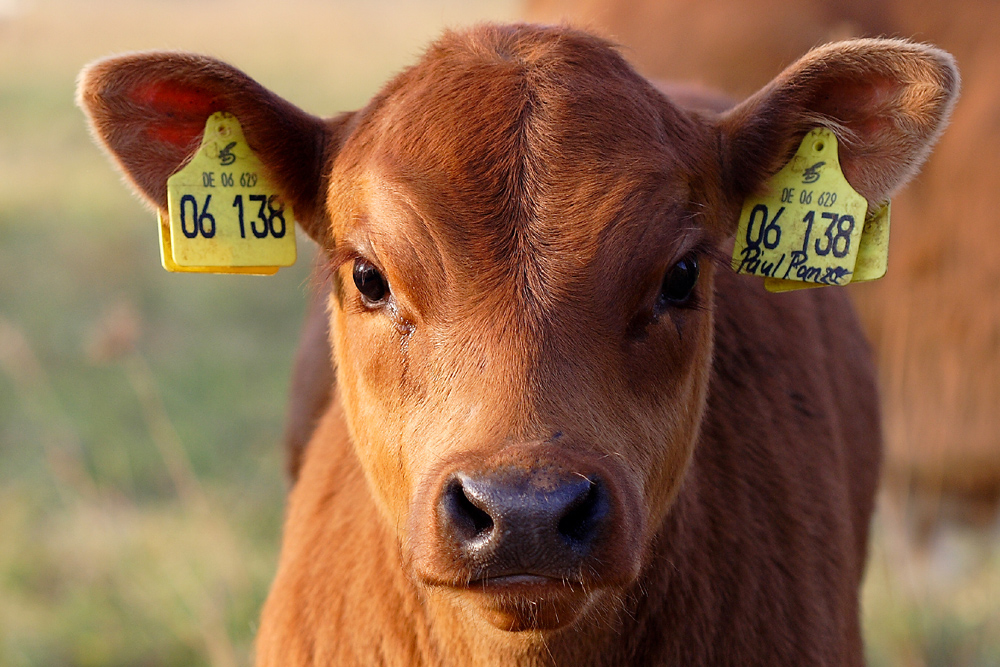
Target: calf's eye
x=370 y=282
x=678 y=283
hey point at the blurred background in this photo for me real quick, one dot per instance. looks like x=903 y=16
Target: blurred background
x=141 y=473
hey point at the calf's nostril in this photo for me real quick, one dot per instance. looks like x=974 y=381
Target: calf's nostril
x=467 y=520
x=584 y=513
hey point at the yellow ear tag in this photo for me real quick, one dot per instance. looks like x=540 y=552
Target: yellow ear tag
x=806 y=226
x=873 y=254
x=224 y=213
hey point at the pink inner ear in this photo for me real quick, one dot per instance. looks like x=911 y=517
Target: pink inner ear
x=181 y=110
x=863 y=105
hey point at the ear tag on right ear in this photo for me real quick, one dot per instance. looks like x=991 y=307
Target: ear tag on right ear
x=806 y=225
x=224 y=213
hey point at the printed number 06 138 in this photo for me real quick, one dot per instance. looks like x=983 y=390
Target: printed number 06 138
x=268 y=217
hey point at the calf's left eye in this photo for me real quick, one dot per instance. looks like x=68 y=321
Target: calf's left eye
x=678 y=284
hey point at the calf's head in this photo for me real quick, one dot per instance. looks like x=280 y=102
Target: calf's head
x=521 y=236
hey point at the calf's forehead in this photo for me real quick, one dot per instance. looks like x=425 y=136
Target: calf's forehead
x=508 y=143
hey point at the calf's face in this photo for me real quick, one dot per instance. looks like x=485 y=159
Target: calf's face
x=520 y=234
x=521 y=314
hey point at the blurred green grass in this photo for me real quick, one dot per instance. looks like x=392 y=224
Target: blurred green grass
x=141 y=484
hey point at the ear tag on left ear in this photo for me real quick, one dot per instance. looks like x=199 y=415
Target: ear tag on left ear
x=807 y=223
x=873 y=255
x=224 y=214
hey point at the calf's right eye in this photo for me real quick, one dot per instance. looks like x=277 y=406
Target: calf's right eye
x=678 y=284
x=370 y=282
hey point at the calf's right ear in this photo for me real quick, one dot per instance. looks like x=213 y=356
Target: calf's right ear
x=148 y=110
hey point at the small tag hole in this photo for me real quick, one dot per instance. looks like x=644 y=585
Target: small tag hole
x=819 y=146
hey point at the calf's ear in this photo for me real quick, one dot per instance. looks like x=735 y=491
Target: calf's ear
x=148 y=110
x=887 y=101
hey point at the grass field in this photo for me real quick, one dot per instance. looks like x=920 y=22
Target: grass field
x=141 y=484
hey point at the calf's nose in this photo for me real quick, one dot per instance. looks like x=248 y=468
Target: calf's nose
x=537 y=522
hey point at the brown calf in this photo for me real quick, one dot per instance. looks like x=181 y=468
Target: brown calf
x=564 y=432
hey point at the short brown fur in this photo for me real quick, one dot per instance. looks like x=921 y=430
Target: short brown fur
x=524 y=193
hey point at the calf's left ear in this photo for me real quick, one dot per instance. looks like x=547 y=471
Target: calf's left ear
x=149 y=111
x=887 y=101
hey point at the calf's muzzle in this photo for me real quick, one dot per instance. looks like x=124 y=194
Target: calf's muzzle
x=512 y=522
x=531 y=534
